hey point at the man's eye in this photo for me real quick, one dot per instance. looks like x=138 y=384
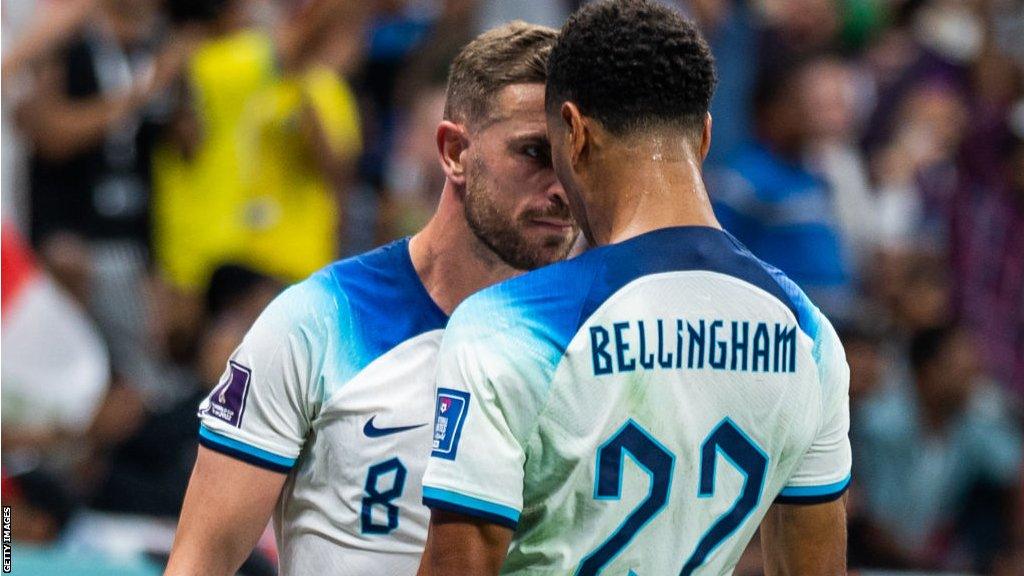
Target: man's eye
x=537 y=152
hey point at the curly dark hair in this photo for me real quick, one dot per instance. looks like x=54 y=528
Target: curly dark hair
x=632 y=64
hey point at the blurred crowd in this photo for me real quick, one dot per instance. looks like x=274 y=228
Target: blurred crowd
x=170 y=165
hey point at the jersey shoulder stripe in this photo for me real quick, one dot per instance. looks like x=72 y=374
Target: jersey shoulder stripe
x=468 y=505
x=323 y=331
x=384 y=301
x=244 y=452
x=553 y=302
x=813 y=494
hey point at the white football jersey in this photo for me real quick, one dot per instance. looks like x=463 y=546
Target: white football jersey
x=636 y=410
x=333 y=385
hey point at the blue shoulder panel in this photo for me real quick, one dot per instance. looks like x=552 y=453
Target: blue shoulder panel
x=540 y=309
x=556 y=300
x=680 y=249
x=386 y=300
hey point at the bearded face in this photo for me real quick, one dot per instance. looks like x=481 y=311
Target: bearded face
x=513 y=203
x=527 y=239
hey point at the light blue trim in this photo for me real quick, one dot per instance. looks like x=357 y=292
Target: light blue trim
x=806 y=312
x=805 y=491
x=253 y=451
x=469 y=502
x=816 y=350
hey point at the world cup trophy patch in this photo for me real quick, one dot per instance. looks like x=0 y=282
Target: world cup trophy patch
x=450 y=414
x=227 y=401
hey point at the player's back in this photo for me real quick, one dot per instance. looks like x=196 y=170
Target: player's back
x=659 y=394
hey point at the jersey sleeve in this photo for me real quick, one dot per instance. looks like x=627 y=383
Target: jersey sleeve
x=823 y=473
x=490 y=388
x=260 y=411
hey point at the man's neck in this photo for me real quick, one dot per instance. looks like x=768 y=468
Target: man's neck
x=450 y=260
x=649 y=185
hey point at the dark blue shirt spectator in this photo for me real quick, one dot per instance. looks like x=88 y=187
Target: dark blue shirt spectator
x=783 y=213
x=768 y=198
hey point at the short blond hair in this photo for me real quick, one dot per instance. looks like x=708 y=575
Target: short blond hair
x=514 y=53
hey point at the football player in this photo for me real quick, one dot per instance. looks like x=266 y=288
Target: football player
x=644 y=407
x=324 y=414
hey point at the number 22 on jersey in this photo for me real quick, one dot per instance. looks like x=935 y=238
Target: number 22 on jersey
x=658 y=462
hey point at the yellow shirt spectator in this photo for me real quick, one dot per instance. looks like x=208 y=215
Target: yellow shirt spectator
x=252 y=192
x=292 y=212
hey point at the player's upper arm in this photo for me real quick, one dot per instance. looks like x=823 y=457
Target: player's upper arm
x=805 y=540
x=261 y=410
x=253 y=426
x=495 y=368
x=804 y=532
x=227 y=506
x=474 y=480
x=457 y=545
x=823 y=473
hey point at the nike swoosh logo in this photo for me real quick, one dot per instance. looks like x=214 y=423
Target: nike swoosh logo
x=373 y=432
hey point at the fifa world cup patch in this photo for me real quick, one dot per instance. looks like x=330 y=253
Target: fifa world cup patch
x=452 y=407
x=227 y=401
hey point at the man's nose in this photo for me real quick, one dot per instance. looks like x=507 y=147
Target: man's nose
x=556 y=193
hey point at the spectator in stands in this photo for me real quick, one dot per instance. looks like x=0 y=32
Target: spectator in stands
x=920 y=295
x=32 y=30
x=869 y=544
x=43 y=511
x=863 y=340
x=89 y=120
x=44 y=506
x=912 y=52
x=92 y=115
x=799 y=28
x=730 y=28
x=148 y=466
x=55 y=366
x=987 y=250
x=413 y=179
x=772 y=202
x=234 y=299
x=940 y=457
x=306 y=139
x=833 y=100
x=265 y=143
x=916 y=171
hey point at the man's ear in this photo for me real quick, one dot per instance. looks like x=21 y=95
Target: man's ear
x=451 y=143
x=578 y=133
x=705 y=138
